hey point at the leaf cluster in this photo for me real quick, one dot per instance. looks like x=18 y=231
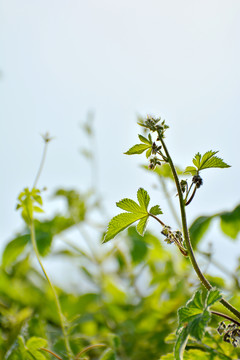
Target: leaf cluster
x=206 y=161
x=135 y=212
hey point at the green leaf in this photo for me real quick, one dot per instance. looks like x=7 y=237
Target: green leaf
x=155 y=210
x=199 y=228
x=34 y=344
x=144 y=140
x=181 y=344
x=14 y=248
x=38 y=209
x=209 y=160
x=169 y=356
x=143 y=198
x=191 y=169
x=136 y=212
x=148 y=153
x=142 y=225
x=129 y=205
x=206 y=161
x=121 y=222
x=194 y=318
x=230 y=222
x=213 y=295
x=137 y=149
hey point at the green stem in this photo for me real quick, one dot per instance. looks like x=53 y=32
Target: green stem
x=186 y=235
x=170 y=204
x=41 y=164
x=61 y=317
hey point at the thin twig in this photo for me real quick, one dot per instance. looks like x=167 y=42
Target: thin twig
x=226 y=317
x=52 y=353
x=87 y=349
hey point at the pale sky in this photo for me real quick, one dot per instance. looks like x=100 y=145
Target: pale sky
x=60 y=59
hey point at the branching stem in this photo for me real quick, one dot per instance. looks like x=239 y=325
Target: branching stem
x=191 y=255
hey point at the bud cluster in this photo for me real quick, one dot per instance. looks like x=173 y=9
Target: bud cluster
x=155 y=148
x=172 y=236
x=152 y=124
x=197 y=180
x=231 y=333
x=154 y=162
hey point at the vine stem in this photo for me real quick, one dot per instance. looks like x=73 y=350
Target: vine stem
x=225 y=317
x=60 y=314
x=186 y=235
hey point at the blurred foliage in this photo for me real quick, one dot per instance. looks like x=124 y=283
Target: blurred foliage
x=137 y=286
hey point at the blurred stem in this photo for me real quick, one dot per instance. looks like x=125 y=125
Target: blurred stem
x=60 y=314
x=170 y=204
x=186 y=235
x=52 y=353
x=90 y=347
x=41 y=163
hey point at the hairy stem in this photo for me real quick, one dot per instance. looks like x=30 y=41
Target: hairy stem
x=60 y=314
x=186 y=235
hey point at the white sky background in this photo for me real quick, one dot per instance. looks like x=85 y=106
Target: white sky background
x=60 y=59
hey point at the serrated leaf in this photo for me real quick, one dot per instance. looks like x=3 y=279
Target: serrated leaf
x=142 y=225
x=121 y=222
x=206 y=161
x=144 y=140
x=136 y=212
x=137 y=149
x=209 y=160
x=181 y=344
x=143 y=198
x=34 y=344
x=213 y=296
x=155 y=210
x=129 y=205
x=194 y=318
x=197 y=160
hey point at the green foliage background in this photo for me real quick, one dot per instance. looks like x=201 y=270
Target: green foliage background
x=138 y=284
